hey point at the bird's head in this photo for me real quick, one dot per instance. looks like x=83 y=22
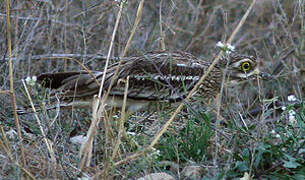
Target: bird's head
x=241 y=67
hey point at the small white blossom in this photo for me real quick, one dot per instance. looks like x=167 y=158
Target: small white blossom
x=291 y=98
x=155 y=152
x=119 y=1
x=116 y=116
x=292 y=119
x=273 y=131
x=227 y=48
x=291 y=113
x=230 y=47
x=246 y=176
x=31 y=80
x=220 y=44
x=11 y=133
x=284 y=108
x=131 y=133
x=34 y=78
x=83 y=178
x=291 y=116
x=28 y=79
x=278 y=136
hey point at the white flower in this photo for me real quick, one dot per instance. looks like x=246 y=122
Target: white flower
x=34 y=78
x=131 y=133
x=11 y=133
x=28 y=79
x=291 y=116
x=292 y=119
x=116 y=116
x=155 y=152
x=273 y=131
x=230 y=47
x=119 y=1
x=83 y=178
x=246 y=176
x=291 y=113
x=283 y=108
x=278 y=136
x=220 y=44
x=291 y=98
x=227 y=48
x=31 y=80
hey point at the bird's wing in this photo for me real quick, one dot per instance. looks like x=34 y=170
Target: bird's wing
x=71 y=84
x=153 y=76
x=160 y=75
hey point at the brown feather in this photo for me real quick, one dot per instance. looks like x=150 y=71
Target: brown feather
x=165 y=76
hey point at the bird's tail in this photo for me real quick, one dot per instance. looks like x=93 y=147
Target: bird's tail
x=37 y=108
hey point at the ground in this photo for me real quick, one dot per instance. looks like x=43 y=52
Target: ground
x=260 y=133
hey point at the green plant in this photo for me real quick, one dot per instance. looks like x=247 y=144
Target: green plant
x=190 y=142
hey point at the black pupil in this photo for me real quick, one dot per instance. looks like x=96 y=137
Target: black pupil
x=246 y=66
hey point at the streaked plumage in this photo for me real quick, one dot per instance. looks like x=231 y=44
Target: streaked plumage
x=153 y=77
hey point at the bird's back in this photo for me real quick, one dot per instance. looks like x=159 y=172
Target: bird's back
x=154 y=76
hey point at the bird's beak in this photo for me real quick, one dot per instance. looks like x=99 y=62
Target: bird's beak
x=265 y=76
x=262 y=75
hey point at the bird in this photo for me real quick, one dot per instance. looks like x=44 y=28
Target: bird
x=154 y=77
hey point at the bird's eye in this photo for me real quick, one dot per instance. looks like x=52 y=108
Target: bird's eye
x=245 y=66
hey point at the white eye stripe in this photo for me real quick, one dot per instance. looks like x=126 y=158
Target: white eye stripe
x=246 y=75
x=238 y=63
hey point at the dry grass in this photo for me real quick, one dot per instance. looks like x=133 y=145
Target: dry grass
x=79 y=33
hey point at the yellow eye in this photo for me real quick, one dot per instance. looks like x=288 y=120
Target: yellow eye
x=245 y=66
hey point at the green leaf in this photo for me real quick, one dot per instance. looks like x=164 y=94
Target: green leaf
x=291 y=164
x=242 y=166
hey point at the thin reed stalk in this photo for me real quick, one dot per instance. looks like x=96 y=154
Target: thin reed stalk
x=12 y=91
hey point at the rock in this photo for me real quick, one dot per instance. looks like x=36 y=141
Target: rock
x=192 y=172
x=157 y=176
x=78 y=140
